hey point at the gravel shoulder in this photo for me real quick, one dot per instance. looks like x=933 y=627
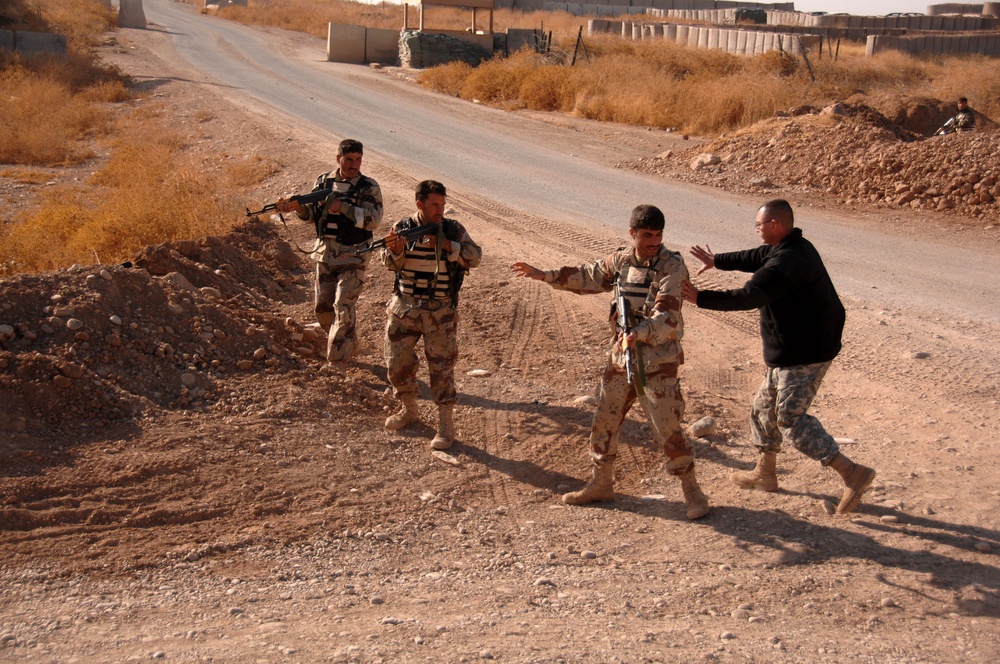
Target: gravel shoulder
x=192 y=483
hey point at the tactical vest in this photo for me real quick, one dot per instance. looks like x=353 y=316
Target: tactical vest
x=427 y=276
x=635 y=283
x=338 y=226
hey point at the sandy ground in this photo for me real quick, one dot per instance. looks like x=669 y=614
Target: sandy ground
x=182 y=478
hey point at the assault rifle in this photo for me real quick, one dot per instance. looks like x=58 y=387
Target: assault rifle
x=947 y=128
x=624 y=322
x=407 y=233
x=318 y=196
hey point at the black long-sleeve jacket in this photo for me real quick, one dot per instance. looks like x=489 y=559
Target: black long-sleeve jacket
x=801 y=316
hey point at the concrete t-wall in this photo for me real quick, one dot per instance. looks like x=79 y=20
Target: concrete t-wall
x=33 y=43
x=345 y=43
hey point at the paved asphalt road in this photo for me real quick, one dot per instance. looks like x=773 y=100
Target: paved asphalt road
x=554 y=172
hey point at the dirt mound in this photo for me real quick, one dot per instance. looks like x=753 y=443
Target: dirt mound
x=854 y=154
x=89 y=346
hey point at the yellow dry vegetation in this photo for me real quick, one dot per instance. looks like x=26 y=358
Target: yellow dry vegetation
x=57 y=112
x=707 y=92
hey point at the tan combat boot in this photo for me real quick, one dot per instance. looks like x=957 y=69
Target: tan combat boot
x=408 y=414
x=857 y=479
x=445 y=435
x=762 y=477
x=600 y=487
x=697 y=502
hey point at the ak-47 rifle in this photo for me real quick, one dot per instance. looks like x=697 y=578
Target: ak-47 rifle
x=317 y=196
x=625 y=321
x=406 y=233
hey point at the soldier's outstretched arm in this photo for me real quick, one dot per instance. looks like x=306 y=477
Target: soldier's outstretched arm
x=522 y=269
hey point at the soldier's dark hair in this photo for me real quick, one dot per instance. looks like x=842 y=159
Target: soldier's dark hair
x=963 y=100
x=350 y=146
x=780 y=210
x=428 y=187
x=648 y=217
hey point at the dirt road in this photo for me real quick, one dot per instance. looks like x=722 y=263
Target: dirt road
x=201 y=503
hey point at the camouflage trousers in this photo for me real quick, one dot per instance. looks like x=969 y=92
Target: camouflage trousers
x=337 y=291
x=439 y=329
x=779 y=412
x=664 y=406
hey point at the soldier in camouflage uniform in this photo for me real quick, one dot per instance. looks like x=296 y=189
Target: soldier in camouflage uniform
x=344 y=222
x=429 y=272
x=801 y=322
x=649 y=276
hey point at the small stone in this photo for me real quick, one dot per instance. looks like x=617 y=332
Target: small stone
x=479 y=373
x=755 y=619
x=74 y=324
x=887 y=603
x=727 y=635
x=376 y=600
x=235 y=611
x=115 y=319
x=244 y=365
x=211 y=292
x=544 y=581
x=6 y=331
x=485 y=654
x=889 y=518
x=919 y=355
x=260 y=354
x=740 y=614
x=389 y=620
x=589 y=555
x=187 y=379
x=588 y=400
x=106 y=275
x=828 y=507
x=706 y=426
x=983 y=547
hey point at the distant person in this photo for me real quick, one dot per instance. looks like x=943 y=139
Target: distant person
x=963 y=120
x=429 y=272
x=649 y=276
x=344 y=222
x=801 y=322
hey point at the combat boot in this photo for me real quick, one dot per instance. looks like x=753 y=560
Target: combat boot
x=600 y=487
x=697 y=501
x=762 y=478
x=445 y=435
x=408 y=414
x=857 y=479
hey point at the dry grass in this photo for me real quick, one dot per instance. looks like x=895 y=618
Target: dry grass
x=660 y=84
x=312 y=16
x=149 y=191
x=59 y=112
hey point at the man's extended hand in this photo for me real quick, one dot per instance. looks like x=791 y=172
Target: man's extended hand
x=706 y=257
x=529 y=272
x=689 y=292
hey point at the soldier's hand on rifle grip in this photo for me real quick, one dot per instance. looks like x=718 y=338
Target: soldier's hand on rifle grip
x=395 y=243
x=628 y=340
x=334 y=205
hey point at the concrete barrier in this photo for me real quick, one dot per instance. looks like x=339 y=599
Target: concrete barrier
x=131 y=15
x=34 y=43
x=382 y=45
x=345 y=43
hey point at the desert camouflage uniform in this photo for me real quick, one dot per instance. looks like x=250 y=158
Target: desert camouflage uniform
x=653 y=287
x=424 y=304
x=965 y=120
x=339 y=273
x=779 y=412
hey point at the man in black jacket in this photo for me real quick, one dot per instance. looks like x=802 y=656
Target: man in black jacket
x=801 y=322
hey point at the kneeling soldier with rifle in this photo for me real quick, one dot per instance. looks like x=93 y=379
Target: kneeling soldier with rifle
x=430 y=256
x=644 y=356
x=344 y=220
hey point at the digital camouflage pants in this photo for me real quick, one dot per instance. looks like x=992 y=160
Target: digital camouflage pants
x=664 y=407
x=438 y=328
x=779 y=412
x=337 y=292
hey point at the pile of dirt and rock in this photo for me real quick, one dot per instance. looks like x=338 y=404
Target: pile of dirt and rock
x=88 y=346
x=851 y=153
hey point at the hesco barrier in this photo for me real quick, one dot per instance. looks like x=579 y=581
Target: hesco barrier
x=731 y=40
x=982 y=44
